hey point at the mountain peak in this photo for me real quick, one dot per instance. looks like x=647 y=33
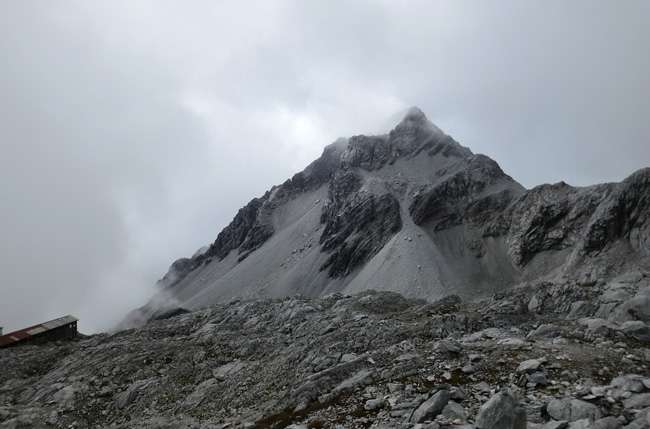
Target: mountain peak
x=414 y=212
x=416 y=119
x=414 y=113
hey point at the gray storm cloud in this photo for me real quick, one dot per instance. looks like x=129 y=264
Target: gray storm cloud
x=131 y=132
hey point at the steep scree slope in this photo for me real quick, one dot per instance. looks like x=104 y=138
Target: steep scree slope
x=415 y=212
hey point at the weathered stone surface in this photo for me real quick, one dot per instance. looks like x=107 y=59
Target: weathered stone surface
x=374 y=404
x=595 y=327
x=502 y=411
x=368 y=360
x=610 y=422
x=131 y=393
x=454 y=411
x=268 y=340
x=448 y=346
x=430 y=408
x=572 y=410
x=637 y=308
x=546 y=330
x=199 y=394
x=476 y=231
x=638 y=401
x=530 y=365
x=451 y=201
x=356 y=228
x=624 y=214
x=556 y=424
x=636 y=329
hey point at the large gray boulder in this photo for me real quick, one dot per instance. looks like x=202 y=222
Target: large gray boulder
x=637 y=308
x=639 y=401
x=502 y=411
x=572 y=410
x=430 y=408
x=636 y=329
x=610 y=422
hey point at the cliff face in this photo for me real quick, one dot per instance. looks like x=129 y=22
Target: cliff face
x=415 y=212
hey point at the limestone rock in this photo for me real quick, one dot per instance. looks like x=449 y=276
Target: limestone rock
x=572 y=410
x=430 y=408
x=502 y=411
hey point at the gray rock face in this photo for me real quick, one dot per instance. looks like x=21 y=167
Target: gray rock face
x=636 y=308
x=545 y=331
x=199 y=394
x=178 y=269
x=637 y=329
x=247 y=232
x=502 y=411
x=548 y=217
x=625 y=214
x=462 y=196
x=610 y=422
x=131 y=393
x=415 y=212
x=639 y=401
x=357 y=229
x=454 y=411
x=572 y=410
x=430 y=408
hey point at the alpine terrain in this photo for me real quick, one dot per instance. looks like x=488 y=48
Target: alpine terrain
x=399 y=281
x=416 y=213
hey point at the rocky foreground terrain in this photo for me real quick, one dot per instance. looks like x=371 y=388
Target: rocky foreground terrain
x=571 y=353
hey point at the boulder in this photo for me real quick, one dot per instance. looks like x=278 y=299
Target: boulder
x=637 y=308
x=637 y=402
x=610 y=422
x=556 y=424
x=530 y=365
x=636 y=329
x=502 y=411
x=544 y=331
x=454 y=411
x=581 y=424
x=595 y=327
x=449 y=346
x=374 y=404
x=430 y=408
x=572 y=410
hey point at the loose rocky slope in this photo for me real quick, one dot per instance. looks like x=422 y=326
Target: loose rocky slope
x=414 y=212
x=546 y=355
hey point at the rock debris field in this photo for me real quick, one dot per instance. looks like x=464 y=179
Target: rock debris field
x=543 y=355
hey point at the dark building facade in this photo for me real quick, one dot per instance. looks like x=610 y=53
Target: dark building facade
x=63 y=328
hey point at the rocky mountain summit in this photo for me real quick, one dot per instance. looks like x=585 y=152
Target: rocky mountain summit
x=414 y=212
x=399 y=281
x=546 y=355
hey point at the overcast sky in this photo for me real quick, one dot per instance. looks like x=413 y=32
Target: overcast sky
x=132 y=131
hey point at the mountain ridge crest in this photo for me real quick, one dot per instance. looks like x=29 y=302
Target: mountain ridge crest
x=413 y=211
